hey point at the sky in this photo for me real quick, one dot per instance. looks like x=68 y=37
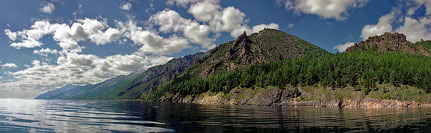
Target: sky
x=46 y=44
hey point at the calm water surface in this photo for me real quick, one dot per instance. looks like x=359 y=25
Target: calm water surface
x=125 y=116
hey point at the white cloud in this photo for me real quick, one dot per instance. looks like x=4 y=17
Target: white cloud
x=126 y=6
x=416 y=29
x=213 y=17
x=384 y=25
x=184 y=3
x=290 y=26
x=204 y=11
x=150 y=41
x=11 y=35
x=81 y=69
x=417 y=4
x=260 y=27
x=48 y=8
x=342 y=47
x=68 y=36
x=9 y=65
x=336 y=9
x=45 y=51
x=171 y=21
x=30 y=43
x=29 y=38
x=229 y=19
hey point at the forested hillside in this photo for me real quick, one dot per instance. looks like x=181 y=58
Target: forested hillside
x=363 y=70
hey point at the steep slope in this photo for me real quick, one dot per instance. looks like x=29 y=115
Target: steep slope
x=267 y=46
x=394 y=42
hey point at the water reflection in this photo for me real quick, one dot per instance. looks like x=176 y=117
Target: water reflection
x=128 y=116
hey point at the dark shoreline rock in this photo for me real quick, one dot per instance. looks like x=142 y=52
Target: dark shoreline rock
x=277 y=97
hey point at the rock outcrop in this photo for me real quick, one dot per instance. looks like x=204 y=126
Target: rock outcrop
x=388 y=42
x=277 y=97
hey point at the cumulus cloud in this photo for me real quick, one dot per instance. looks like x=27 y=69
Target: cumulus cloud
x=416 y=29
x=48 y=8
x=290 y=26
x=68 y=36
x=416 y=4
x=384 y=25
x=126 y=6
x=151 y=42
x=9 y=65
x=342 y=47
x=11 y=35
x=45 y=51
x=336 y=9
x=184 y=3
x=260 y=27
x=171 y=21
x=81 y=69
x=229 y=19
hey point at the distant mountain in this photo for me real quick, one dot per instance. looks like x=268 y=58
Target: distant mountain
x=125 y=87
x=394 y=42
x=135 y=85
x=63 y=92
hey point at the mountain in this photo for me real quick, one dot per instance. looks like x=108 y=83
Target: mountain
x=394 y=42
x=63 y=92
x=125 y=87
x=267 y=46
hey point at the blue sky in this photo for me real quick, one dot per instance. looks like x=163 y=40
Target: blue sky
x=47 y=44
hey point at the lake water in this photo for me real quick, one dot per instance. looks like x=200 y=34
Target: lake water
x=125 y=116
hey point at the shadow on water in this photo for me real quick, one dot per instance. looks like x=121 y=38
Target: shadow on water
x=131 y=116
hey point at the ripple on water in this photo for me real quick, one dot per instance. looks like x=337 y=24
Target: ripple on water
x=128 y=116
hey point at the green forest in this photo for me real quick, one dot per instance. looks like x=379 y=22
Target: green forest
x=363 y=70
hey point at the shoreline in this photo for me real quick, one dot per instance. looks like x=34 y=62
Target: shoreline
x=289 y=97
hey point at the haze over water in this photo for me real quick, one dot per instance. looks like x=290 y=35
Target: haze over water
x=18 y=115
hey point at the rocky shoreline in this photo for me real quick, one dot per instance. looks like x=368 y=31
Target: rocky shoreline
x=278 y=97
